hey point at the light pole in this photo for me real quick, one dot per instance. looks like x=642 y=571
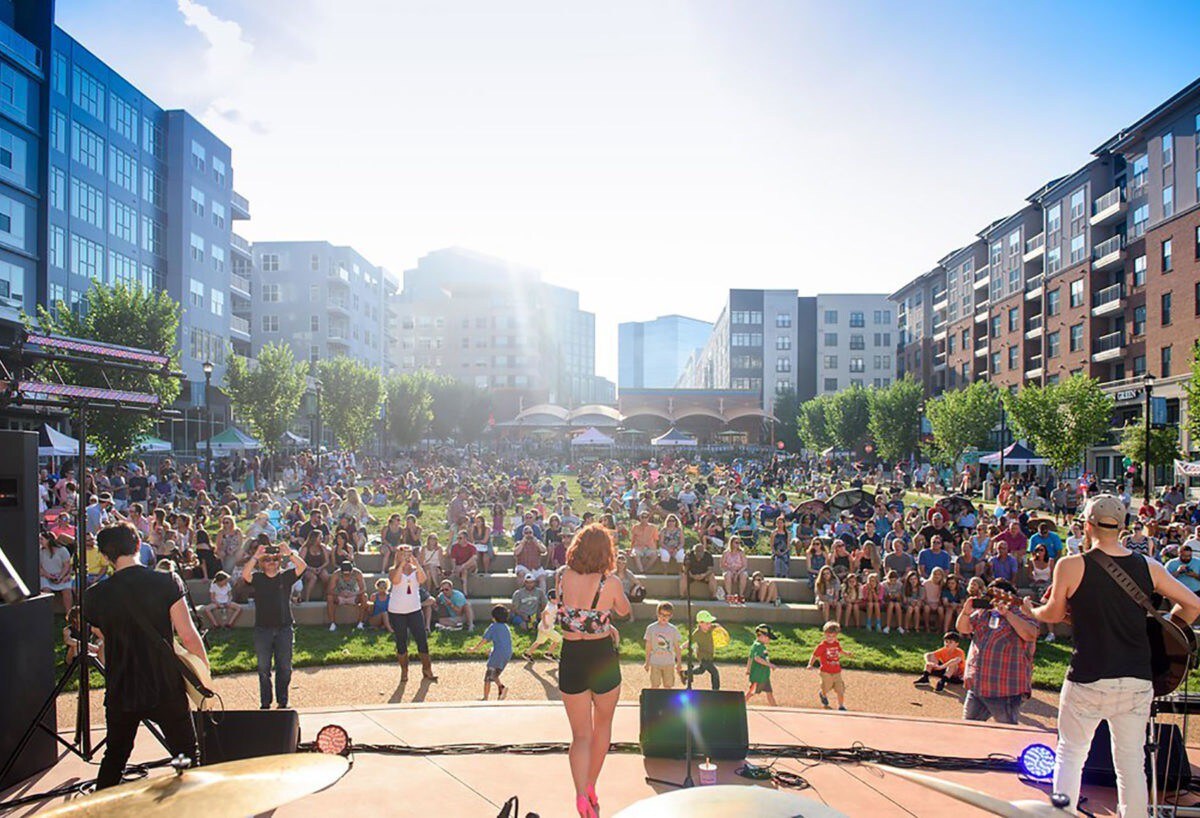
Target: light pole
x=1148 y=381
x=208 y=370
x=317 y=442
x=1003 y=436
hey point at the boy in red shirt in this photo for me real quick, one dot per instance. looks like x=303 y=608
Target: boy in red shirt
x=949 y=663
x=829 y=653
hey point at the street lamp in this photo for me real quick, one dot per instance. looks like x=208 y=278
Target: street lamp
x=317 y=442
x=1148 y=382
x=207 y=366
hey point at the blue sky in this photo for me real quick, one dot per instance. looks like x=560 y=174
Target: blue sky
x=650 y=155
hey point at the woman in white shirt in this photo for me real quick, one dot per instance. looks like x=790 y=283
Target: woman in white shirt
x=1074 y=542
x=404 y=611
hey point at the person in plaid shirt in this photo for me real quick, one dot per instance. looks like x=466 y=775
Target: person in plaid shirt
x=1000 y=663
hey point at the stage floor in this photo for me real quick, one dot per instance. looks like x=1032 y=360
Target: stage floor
x=477 y=786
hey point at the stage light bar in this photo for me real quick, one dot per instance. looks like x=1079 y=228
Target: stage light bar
x=97 y=349
x=1037 y=762
x=40 y=390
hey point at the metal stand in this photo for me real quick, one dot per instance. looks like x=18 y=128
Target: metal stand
x=688 y=719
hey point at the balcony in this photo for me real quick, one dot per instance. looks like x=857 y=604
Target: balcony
x=1033 y=287
x=982 y=278
x=1108 y=253
x=939 y=331
x=1035 y=247
x=1108 y=300
x=1108 y=347
x=1108 y=208
x=20 y=49
x=981 y=315
x=239 y=326
x=1033 y=367
x=337 y=305
x=981 y=350
x=340 y=276
x=1033 y=327
x=239 y=205
x=339 y=337
x=239 y=244
x=940 y=301
x=939 y=362
x=239 y=285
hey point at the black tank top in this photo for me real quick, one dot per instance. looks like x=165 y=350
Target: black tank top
x=1109 y=627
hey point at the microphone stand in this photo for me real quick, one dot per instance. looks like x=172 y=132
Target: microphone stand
x=688 y=721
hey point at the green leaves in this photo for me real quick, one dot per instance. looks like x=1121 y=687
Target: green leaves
x=409 y=407
x=1164 y=444
x=847 y=416
x=351 y=393
x=1061 y=420
x=1192 y=387
x=132 y=317
x=896 y=419
x=810 y=424
x=962 y=419
x=786 y=409
x=267 y=395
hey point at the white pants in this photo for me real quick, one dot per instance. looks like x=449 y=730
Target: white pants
x=1125 y=704
x=665 y=555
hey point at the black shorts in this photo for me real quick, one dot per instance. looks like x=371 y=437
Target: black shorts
x=588 y=665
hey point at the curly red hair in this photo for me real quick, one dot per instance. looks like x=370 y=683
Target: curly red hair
x=592 y=551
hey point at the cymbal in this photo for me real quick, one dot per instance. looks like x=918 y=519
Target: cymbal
x=724 y=800
x=236 y=788
x=988 y=803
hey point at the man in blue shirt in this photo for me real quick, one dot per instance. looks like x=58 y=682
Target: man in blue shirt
x=1004 y=565
x=933 y=557
x=1048 y=538
x=1185 y=569
x=453 y=610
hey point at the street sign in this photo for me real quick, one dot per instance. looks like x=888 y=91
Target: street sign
x=1128 y=394
x=1158 y=413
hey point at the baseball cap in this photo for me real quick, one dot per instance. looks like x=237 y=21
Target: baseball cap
x=705 y=616
x=1105 y=510
x=346 y=565
x=529 y=577
x=764 y=628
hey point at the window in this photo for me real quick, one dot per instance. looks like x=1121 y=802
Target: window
x=122 y=169
x=1053 y=345
x=1139 y=271
x=218 y=167
x=1053 y=301
x=270 y=293
x=1054 y=219
x=966 y=339
x=124 y=118
x=89 y=93
x=1014 y=319
x=87 y=203
x=737 y=339
x=1141 y=216
x=1077 y=199
x=1165 y=362
x=996 y=325
x=783 y=320
x=58 y=74
x=1014 y=358
x=87 y=148
x=831 y=362
x=58 y=188
x=1077 y=293
x=1077 y=249
x=218 y=215
x=1053 y=260
x=314 y=263
x=996 y=255
x=857 y=319
x=152 y=236
x=1139 y=320
x=199 y=156
x=783 y=342
x=197 y=203
x=1075 y=339
x=1168 y=148
x=831 y=384
x=269 y=262
x=58 y=132
x=1168 y=200
x=217 y=301
x=58 y=247
x=124 y=270
x=87 y=258
x=1141 y=167
x=197 y=248
x=122 y=221
x=783 y=364
x=1198 y=235
x=858 y=342
x=883 y=339
x=152 y=137
x=1139 y=365
x=883 y=317
x=153 y=190
x=858 y=365
x=831 y=339
x=270 y=323
x=314 y=323
x=995 y=363
x=831 y=316
x=1166 y=309
x=951 y=344
x=1166 y=256
x=218 y=258
x=195 y=292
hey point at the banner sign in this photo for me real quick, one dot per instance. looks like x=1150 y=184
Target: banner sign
x=1185 y=469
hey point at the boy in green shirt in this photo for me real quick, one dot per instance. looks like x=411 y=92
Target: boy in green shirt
x=759 y=666
x=704 y=649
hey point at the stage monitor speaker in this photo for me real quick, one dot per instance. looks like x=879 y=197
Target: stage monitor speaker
x=26 y=682
x=234 y=734
x=19 y=504
x=1174 y=770
x=718 y=719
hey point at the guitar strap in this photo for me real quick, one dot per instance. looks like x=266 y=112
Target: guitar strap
x=1126 y=582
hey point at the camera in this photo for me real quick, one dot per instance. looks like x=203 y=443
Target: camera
x=272 y=551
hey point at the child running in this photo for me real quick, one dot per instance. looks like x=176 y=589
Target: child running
x=948 y=663
x=759 y=666
x=546 y=632
x=829 y=653
x=705 y=648
x=500 y=637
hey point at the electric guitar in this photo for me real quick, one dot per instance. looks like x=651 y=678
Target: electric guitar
x=197 y=679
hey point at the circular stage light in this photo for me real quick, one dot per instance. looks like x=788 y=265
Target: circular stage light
x=1037 y=762
x=333 y=740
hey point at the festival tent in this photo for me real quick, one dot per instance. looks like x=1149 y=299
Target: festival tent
x=232 y=439
x=1187 y=469
x=153 y=445
x=1014 y=455
x=53 y=443
x=292 y=439
x=673 y=437
x=592 y=437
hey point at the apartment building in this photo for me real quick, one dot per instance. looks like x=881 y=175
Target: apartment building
x=324 y=300
x=653 y=354
x=1008 y=292
x=914 y=316
x=855 y=340
x=500 y=326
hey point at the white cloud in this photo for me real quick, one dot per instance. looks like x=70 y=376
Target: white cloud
x=227 y=60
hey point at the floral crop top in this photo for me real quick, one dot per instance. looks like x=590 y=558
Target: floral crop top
x=584 y=620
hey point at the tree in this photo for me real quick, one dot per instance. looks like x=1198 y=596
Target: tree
x=476 y=409
x=962 y=419
x=350 y=396
x=1164 y=444
x=1062 y=420
x=848 y=416
x=409 y=407
x=129 y=316
x=268 y=393
x=786 y=410
x=896 y=419
x=1191 y=388
x=446 y=394
x=810 y=424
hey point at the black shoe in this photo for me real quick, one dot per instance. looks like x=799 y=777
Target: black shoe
x=264 y=707
x=941 y=685
x=281 y=706
x=923 y=681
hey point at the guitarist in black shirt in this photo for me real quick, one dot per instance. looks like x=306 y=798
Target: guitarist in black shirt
x=139 y=610
x=1112 y=676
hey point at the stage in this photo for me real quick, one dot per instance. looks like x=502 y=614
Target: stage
x=478 y=785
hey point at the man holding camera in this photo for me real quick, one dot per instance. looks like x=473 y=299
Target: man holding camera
x=273 y=632
x=1003 y=635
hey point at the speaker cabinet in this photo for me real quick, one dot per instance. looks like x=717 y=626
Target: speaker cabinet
x=234 y=734
x=27 y=680
x=718 y=719
x=1174 y=770
x=19 y=504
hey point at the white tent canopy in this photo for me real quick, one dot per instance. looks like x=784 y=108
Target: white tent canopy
x=592 y=437
x=232 y=439
x=53 y=443
x=1014 y=455
x=674 y=437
